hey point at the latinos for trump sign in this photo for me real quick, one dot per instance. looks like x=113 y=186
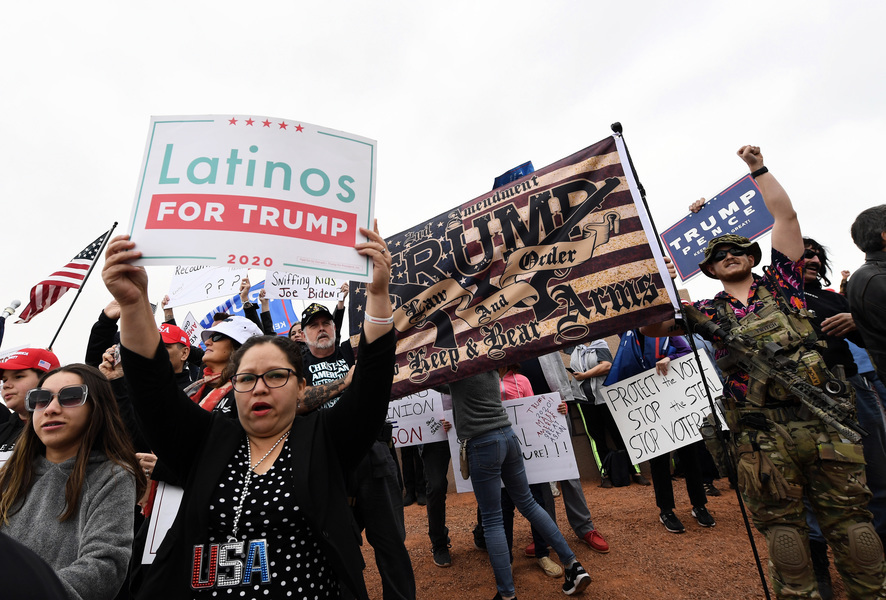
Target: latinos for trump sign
x=556 y=257
x=254 y=192
x=737 y=209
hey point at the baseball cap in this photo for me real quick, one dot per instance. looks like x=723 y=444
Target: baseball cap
x=730 y=239
x=30 y=358
x=314 y=310
x=172 y=334
x=237 y=328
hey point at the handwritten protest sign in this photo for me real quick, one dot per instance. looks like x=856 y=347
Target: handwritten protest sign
x=566 y=253
x=253 y=191
x=657 y=414
x=738 y=209
x=544 y=438
x=195 y=283
x=303 y=286
x=416 y=419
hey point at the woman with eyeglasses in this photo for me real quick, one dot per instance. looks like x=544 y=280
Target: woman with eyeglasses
x=70 y=485
x=264 y=512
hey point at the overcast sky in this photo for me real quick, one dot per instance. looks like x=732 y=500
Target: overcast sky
x=455 y=94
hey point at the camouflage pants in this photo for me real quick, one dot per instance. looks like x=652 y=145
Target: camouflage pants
x=776 y=468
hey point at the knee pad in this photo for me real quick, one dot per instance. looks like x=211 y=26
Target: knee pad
x=787 y=551
x=865 y=547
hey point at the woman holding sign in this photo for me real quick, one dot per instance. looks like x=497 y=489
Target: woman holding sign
x=264 y=511
x=637 y=353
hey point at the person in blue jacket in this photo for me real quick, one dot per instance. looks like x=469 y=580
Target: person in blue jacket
x=637 y=353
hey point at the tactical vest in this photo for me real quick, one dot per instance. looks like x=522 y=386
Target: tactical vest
x=789 y=327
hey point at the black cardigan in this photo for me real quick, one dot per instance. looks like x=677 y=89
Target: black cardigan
x=197 y=445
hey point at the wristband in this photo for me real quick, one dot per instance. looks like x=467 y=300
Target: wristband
x=759 y=172
x=378 y=321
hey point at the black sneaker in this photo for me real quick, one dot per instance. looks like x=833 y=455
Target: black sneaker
x=441 y=556
x=672 y=523
x=703 y=517
x=577 y=579
x=711 y=490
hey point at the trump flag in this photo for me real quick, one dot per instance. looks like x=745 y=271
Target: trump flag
x=554 y=258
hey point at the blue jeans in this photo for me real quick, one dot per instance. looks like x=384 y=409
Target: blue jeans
x=495 y=457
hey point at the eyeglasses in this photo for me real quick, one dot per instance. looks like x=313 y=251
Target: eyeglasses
x=245 y=382
x=810 y=253
x=721 y=254
x=217 y=337
x=71 y=396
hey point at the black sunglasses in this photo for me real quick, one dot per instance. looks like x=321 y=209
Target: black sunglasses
x=217 y=337
x=68 y=397
x=721 y=254
x=810 y=253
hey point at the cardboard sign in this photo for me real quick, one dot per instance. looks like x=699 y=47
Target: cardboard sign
x=657 y=414
x=251 y=191
x=195 y=283
x=544 y=438
x=738 y=209
x=416 y=419
x=191 y=327
x=166 y=503
x=304 y=286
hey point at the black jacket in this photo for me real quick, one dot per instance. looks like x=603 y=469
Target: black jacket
x=198 y=445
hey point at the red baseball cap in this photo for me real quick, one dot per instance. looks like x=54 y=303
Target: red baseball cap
x=30 y=358
x=172 y=334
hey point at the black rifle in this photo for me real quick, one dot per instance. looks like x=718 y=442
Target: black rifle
x=769 y=364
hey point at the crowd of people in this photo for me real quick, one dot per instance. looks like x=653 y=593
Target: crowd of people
x=284 y=460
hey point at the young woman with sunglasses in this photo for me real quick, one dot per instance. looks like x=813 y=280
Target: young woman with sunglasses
x=69 y=488
x=264 y=512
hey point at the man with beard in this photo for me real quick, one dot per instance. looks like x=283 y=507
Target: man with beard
x=374 y=486
x=783 y=450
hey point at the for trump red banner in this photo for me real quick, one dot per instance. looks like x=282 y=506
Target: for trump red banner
x=555 y=258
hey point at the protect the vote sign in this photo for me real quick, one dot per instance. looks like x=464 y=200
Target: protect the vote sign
x=416 y=419
x=657 y=414
x=544 y=439
x=258 y=192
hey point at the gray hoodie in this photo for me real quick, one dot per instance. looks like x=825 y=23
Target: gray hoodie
x=90 y=551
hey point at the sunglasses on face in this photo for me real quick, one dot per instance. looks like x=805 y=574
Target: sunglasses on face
x=810 y=253
x=246 y=382
x=721 y=254
x=71 y=396
x=217 y=337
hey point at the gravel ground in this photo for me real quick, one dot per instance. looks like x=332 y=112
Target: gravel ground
x=645 y=561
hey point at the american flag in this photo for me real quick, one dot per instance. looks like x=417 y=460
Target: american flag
x=71 y=276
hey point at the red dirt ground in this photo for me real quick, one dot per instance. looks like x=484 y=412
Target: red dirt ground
x=645 y=561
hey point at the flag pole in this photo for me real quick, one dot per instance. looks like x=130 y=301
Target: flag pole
x=617 y=130
x=82 y=285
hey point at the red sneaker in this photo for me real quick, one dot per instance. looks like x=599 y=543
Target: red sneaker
x=595 y=541
x=530 y=550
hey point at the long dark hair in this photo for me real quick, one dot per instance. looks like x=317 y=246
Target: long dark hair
x=105 y=432
x=822 y=257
